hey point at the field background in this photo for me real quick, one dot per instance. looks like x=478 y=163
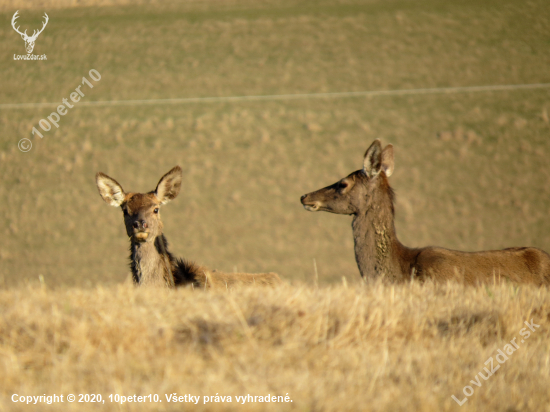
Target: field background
x=471 y=170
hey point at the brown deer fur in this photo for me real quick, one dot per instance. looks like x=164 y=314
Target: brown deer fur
x=151 y=262
x=367 y=195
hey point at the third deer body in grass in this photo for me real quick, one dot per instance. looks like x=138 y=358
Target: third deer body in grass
x=367 y=195
x=151 y=262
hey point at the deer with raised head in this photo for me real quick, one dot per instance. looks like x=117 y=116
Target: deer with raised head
x=150 y=261
x=29 y=40
x=367 y=196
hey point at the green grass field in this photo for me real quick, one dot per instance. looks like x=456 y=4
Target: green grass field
x=472 y=173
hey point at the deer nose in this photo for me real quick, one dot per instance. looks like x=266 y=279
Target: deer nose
x=140 y=224
x=302 y=198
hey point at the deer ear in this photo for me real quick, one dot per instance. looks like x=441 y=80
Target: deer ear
x=109 y=189
x=387 y=160
x=169 y=185
x=373 y=159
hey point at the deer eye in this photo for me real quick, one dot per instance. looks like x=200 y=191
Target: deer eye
x=342 y=185
x=156 y=210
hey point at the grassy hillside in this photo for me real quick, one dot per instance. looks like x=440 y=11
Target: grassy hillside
x=471 y=168
x=377 y=348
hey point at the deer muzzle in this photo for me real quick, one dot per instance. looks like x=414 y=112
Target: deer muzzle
x=140 y=233
x=310 y=205
x=141 y=236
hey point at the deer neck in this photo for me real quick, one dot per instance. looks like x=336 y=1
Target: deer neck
x=150 y=262
x=377 y=248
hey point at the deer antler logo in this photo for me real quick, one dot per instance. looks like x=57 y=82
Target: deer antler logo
x=29 y=40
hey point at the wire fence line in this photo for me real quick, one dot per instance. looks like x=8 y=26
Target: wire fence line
x=222 y=99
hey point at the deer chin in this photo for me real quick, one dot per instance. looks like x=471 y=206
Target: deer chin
x=312 y=207
x=141 y=236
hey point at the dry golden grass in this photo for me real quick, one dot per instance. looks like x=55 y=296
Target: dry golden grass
x=375 y=347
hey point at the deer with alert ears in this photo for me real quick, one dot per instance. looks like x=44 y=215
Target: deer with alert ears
x=150 y=261
x=367 y=196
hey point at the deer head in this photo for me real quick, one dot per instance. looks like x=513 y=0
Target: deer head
x=141 y=210
x=355 y=192
x=29 y=41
